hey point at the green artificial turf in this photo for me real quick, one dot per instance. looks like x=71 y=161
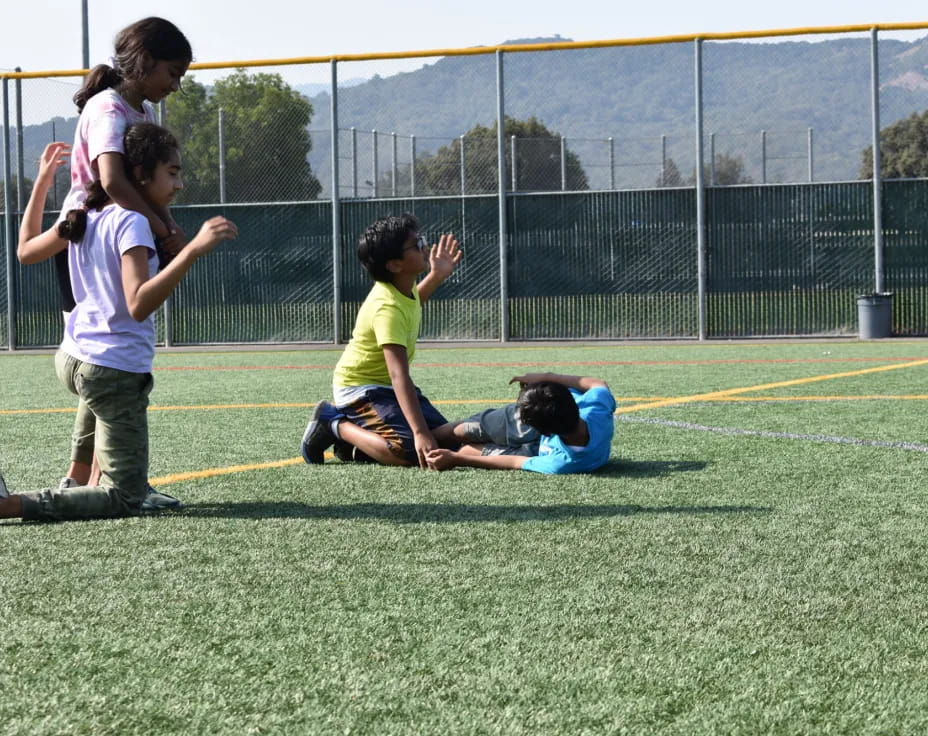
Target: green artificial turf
x=702 y=583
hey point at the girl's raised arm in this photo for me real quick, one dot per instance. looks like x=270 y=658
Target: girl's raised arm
x=34 y=245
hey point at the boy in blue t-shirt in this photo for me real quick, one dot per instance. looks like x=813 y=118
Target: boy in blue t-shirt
x=559 y=424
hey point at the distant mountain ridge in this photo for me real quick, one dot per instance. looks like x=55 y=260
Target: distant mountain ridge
x=635 y=95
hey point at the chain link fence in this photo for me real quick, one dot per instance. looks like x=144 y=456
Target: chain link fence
x=584 y=217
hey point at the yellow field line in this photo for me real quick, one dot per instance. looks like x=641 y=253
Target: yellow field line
x=725 y=393
x=210 y=472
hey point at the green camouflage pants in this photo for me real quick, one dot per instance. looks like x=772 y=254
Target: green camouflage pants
x=118 y=402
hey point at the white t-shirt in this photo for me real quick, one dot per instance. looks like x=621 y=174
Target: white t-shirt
x=99 y=329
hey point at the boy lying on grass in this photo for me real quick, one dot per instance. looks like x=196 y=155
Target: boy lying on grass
x=558 y=424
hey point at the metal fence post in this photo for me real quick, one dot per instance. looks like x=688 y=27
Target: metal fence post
x=515 y=186
x=374 y=168
x=336 y=212
x=412 y=166
x=354 y=162
x=877 y=172
x=611 y=163
x=462 y=166
x=503 y=228
x=563 y=164
x=713 y=179
x=167 y=308
x=700 y=197
x=763 y=157
x=811 y=159
x=393 y=164
x=7 y=218
x=222 y=156
x=20 y=172
x=663 y=160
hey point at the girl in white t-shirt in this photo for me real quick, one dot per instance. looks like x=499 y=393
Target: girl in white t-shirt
x=109 y=343
x=150 y=57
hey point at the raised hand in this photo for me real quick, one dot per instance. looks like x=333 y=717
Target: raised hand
x=54 y=155
x=445 y=255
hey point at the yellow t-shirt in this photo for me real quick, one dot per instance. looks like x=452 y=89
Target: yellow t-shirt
x=386 y=317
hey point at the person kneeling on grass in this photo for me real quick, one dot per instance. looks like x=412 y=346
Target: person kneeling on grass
x=379 y=413
x=559 y=424
x=109 y=341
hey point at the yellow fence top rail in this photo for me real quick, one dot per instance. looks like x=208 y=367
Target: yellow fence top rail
x=515 y=48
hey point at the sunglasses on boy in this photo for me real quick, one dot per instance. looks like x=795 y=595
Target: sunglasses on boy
x=421 y=244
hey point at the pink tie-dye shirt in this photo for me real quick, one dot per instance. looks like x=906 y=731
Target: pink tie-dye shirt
x=100 y=129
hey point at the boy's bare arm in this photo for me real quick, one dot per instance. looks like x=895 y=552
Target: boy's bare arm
x=580 y=383
x=405 y=389
x=447 y=459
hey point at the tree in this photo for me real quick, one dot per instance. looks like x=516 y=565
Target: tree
x=903 y=149
x=266 y=139
x=729 y=170
x=538 y=161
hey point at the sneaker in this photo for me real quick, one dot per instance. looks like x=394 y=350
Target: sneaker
x=4 y=493
x=318 y=436
x=343 y=451
x=66 y=483
x=158 y=501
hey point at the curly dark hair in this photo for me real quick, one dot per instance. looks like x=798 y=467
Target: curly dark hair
x=549 y=407
x=383 y=241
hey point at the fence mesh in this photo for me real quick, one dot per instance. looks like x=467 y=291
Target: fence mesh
x=600 y=232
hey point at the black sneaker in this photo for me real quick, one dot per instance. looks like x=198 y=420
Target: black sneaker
x=318 y=436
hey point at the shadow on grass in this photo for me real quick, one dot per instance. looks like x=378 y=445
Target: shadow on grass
x=443 y=513
x=618 y=468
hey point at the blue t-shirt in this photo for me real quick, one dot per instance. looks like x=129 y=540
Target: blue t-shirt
x=554 y=457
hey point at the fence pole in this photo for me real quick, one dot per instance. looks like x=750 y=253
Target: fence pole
x=222 y=156
x=7 y=218
x=20 y=170
x=462 y=166
x=763 y=157
x=877 y=172
x=412 y=166
x=336 y=211
x=811 y=159
x=55 y=204
x=611 y=163
x=393 y=164
x=713 y=178
x=374 y=168
x=700 y=197
x=563 y=164
x=501 y=172
x=354 y=162
x=663 y=160
x=515 y=186
x=167 y=309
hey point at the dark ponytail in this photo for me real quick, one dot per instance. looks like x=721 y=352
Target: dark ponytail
x=74 y=225
x=136 y=50
x=101 y=77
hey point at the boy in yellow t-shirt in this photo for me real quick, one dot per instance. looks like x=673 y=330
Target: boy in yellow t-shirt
x=379 y=414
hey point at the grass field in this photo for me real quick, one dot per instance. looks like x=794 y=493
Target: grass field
x=752 y=560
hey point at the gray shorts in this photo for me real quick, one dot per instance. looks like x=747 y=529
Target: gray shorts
x=501 y=432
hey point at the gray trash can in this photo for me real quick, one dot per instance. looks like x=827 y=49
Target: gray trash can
x=875 y=315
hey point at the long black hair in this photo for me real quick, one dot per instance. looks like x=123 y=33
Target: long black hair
x=137 y=48
x=146 y=145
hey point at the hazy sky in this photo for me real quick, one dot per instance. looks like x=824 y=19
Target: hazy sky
x=46 y=34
